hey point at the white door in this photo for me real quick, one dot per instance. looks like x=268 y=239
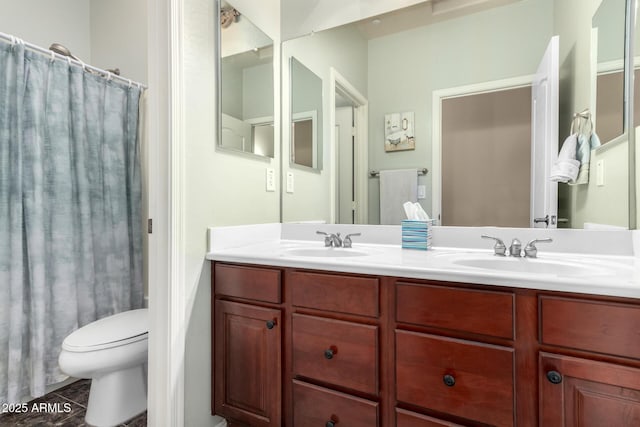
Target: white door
x=344 y=142
x=544 y=138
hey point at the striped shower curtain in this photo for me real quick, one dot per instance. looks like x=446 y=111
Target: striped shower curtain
x=70 y=224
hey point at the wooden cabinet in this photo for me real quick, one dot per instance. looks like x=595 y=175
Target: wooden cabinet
x=335 y=349
x=585 y=390
x=468 y=379
x=297 y=348
x=247 y=348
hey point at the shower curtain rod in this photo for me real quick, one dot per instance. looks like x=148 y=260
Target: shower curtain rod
x=104 y=73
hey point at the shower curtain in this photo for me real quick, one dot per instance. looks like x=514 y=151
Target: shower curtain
x=70 y=222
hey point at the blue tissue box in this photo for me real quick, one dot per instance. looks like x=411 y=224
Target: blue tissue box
x=416 y=234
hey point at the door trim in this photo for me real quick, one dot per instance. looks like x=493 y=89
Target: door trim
x=436 y=136
x=360 y=117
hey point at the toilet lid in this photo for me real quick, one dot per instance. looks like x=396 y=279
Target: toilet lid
x=111 y=331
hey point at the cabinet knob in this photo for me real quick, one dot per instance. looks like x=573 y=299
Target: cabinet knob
x=554 y=377
x=328 y=354
x=449 y=380
x=271 y=324
x=330 y=423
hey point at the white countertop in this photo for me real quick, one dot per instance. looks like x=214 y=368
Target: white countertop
x=595 y=273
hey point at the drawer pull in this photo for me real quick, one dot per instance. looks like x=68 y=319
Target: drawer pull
x=329 y=353
x=554 y=377
x=330 y=424
x=449 y=380
x=271 y=324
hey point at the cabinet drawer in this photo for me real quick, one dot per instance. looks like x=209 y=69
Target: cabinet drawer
x=411 y=419
x=260 y=284
x=601 y=327
x=336 y=352
x=332 y=292
x=481 y=312
x=315 y=406
x=462 y=378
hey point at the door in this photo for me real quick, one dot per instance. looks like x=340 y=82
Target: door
x=580 y=392
x=248 y=364
x=345 y=178
x=544 y=138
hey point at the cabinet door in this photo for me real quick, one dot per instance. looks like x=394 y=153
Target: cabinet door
x=247 y=379
x=586 y=393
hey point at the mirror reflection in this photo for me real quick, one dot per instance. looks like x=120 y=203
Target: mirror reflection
x=246 y=85
x=306 y=116
x=416 y=62
x=608 y=36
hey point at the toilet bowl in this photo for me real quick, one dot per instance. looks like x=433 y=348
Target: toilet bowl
x=112 y=352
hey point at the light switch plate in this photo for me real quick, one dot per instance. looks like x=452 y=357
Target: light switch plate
x=289 y=182
x=422 y=192
x=600 y=173
x=271 y=179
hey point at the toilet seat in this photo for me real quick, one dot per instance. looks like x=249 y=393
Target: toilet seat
x=112 y=331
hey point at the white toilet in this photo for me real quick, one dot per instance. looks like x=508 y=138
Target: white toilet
x=112 y=352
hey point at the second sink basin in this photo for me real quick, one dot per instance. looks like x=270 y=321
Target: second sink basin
x=325 y=252
x=529 y=265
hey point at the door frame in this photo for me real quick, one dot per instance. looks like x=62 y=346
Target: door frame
x=361 y=151
x=436 y=136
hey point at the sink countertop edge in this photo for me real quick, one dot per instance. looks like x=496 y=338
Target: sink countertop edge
x=393 y=261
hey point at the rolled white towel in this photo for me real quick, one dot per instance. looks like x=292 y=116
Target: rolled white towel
x=567 y=166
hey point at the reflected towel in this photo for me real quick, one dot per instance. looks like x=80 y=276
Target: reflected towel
x=396 y=187
x=583 y=155
x=566 y=167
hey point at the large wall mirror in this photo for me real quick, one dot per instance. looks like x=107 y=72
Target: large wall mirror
x=246 y=85
x=488 y=51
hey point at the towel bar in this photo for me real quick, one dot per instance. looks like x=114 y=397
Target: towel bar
x=373 y=174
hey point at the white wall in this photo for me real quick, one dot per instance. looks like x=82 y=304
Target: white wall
x=220 y=188
x=43 y=22
x=405 y=69
x=119 y=37
x=311 y=198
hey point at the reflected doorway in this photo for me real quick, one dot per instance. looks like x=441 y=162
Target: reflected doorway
x=349 y=145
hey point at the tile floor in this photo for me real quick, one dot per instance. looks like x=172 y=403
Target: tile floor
x=64 y=407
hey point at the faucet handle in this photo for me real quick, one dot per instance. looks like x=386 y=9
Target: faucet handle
x=531 y=251
x=346 y=242
x=499 y=248
x=516 y=248
x=327 y=238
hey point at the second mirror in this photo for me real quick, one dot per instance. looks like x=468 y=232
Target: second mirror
x=306 y=117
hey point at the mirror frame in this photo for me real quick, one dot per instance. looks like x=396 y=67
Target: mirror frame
x=628 y=126
x=218 y=88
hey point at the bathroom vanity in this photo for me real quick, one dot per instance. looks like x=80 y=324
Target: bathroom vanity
x=301 y=342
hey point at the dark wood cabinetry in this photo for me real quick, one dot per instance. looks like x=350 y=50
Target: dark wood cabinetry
x=248 y=353
x=584 y=392
x=298 y=348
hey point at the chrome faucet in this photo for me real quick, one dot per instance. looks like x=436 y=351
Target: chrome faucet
x=347 y=239
x=499 y=248
x=530 y=251
x=332 y=240
x=516 y=248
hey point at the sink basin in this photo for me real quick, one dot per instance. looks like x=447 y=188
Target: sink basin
x=325 y=252
x=529 y=265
